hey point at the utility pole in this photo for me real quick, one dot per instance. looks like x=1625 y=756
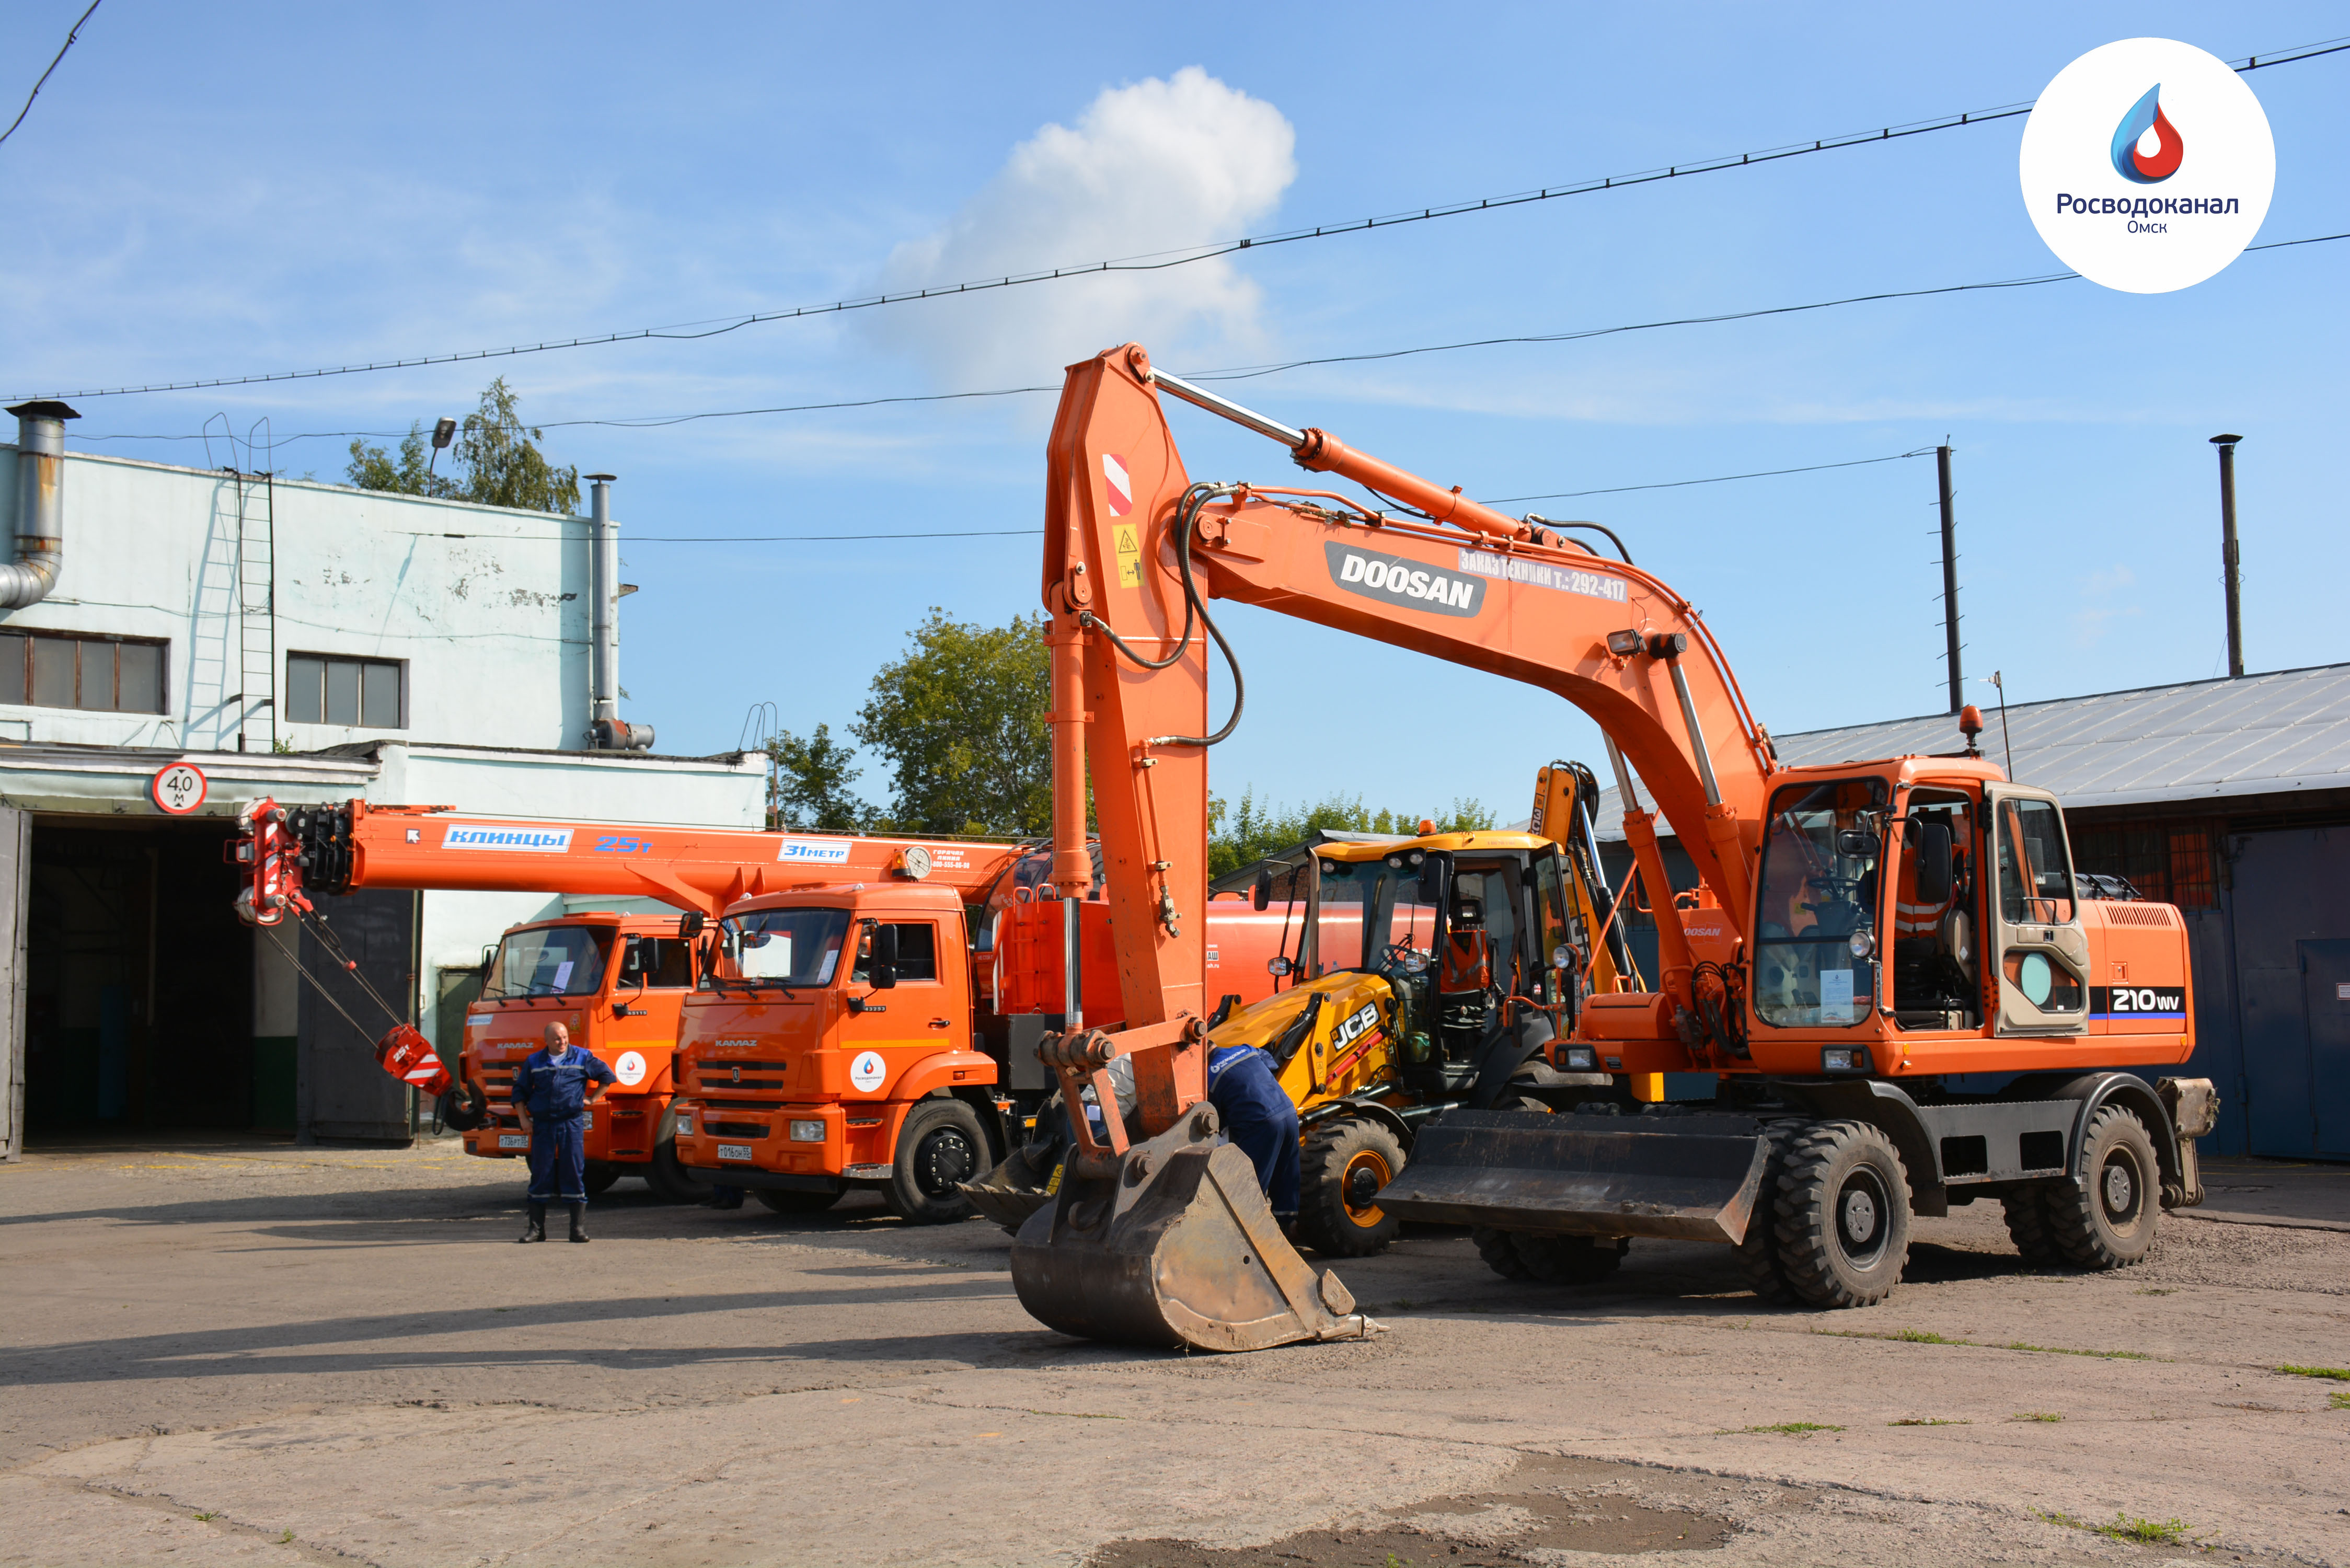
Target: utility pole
x=2228 y=558
x=1951 y=580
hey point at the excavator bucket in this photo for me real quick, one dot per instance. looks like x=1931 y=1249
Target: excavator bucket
x=1176 y=1246
x=1693 y=1178
x=1009 y=1193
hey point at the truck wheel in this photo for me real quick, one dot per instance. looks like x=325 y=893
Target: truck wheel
x=2027 y=1226
x=940 y=1146
x=601 y=1174
x=1346 y=1162
x=1843 y=1215
x=1568 y=1260
x=667 y=1178
x=1758 y=1253
x=786 y=1200
x=1495 y=1248
x=2107 y=1220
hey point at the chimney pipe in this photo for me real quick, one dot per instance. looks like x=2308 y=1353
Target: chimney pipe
x=606 y=730
x=2228 y=557
x=40 y=504
x=1950 y=582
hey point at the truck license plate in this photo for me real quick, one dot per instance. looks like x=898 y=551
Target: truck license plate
x=733 y=1151
x=513 y=1140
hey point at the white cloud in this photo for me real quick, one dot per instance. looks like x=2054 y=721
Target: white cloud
x=1149 y=166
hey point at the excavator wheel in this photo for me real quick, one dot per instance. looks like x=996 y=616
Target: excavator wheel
x=939 y=1148
x=601 y=1174
x=1568 y=1260
x=783 y=1200
x=666 y=1179
x=2027 y=1226
x=2107 y=1222
x=1346 y=1162
x=1758 y=1253
x=1496 y=1247
x=1843 y=1215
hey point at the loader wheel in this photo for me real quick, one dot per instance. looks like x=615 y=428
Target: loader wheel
x=786 y=1200
x=1758 y=1253
x=1843 y=1215
x=2107 y=1220
x=667 y=1178
x=1497 y=1248
x=600 y=1175
x=939 y=1148
x=1568 y=1260
x=2027 y=1226
x=1346 y=1162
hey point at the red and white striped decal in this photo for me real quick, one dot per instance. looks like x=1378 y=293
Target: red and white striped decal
x=1121 y=489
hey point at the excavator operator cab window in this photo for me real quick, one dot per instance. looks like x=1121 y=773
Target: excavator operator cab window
x=1936 y=983
x=1815 y=927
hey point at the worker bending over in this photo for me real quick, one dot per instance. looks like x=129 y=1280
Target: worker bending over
x=1260 y=1119
x=551 y=1091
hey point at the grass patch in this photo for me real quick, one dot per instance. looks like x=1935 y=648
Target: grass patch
x=2154 y=1291
x=2341 y=1401
x=2126 y=1527
x=2339 y=1374
x=207 y=1518
x=1929 y=1422
x=1784 y=1429
x=2037 y=1415
x=1921 y=1336
x=286 y=1538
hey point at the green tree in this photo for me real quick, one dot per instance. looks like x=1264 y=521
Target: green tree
x=808 y=783
x=959 y=720
x=1251 y=831
x=495 y=461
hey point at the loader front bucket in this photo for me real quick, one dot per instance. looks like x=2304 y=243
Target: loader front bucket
x=1693 y=1178
x=1176 y=1246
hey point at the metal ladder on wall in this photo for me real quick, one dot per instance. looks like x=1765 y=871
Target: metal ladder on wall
x=256 y=610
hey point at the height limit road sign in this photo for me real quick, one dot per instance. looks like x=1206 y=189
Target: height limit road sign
x=177 y=790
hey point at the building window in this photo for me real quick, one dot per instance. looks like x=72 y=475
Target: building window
x=2168 y=861
x=72 y=670
x=325 y=689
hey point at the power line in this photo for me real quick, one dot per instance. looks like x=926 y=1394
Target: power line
x=70 y=36
x=1164 y=260
x=1718 y=479
x=1247 y=372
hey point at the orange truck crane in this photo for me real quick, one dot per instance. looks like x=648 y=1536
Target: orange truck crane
x=1861 y=935
x=620 y=984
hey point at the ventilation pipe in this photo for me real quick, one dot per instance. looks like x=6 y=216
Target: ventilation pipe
x=606 y=730
x=40 y=504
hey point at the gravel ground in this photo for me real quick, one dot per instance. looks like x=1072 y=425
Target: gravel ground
x=259 y=1354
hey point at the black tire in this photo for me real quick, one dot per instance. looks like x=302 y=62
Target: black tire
x=2107 y=1222
x=2027 y=1226
x=1500 y=1254
x=1758 y=1252
x=1344 y=1164
x=940 y=1146
x=601 y=1174
x=1843 y=1215
x=1568 y=1260
x=667 y=1178
x=791 y=1200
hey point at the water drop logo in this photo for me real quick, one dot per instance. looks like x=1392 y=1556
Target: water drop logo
x=2130 y=161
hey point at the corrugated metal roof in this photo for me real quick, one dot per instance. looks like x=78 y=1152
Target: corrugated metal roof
x=2199 y=741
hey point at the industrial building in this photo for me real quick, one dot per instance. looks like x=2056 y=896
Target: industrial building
x=2230 y=798
x=309 y=643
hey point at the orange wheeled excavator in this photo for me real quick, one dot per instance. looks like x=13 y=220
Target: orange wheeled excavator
x=1861 y=935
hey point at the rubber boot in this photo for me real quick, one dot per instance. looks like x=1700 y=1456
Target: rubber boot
x=536 y=1228
x=578 y=1213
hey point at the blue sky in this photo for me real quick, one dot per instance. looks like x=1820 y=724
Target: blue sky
x=205 y=193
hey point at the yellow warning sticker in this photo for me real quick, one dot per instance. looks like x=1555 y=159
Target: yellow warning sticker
x=1129 y=558
x=1053 y=1186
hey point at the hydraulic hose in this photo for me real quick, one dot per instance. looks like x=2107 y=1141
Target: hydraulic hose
x=1186 y=513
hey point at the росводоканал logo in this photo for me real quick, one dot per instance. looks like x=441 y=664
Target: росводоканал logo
x=2132 y=159
x=2115 y=185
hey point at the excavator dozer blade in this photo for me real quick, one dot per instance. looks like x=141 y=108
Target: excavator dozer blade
x=1694 y=1177
x=1177 y=1247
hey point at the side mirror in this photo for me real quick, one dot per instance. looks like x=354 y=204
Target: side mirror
x=1854 y=843
x=1934 y=870
x=1432 y=881
x=690 y=924
x=1263 y=893
x=884 y=968
x=1277 y=966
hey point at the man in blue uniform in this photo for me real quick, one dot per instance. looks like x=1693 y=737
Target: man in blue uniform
x=1260 y=1120
x=551 y=1091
